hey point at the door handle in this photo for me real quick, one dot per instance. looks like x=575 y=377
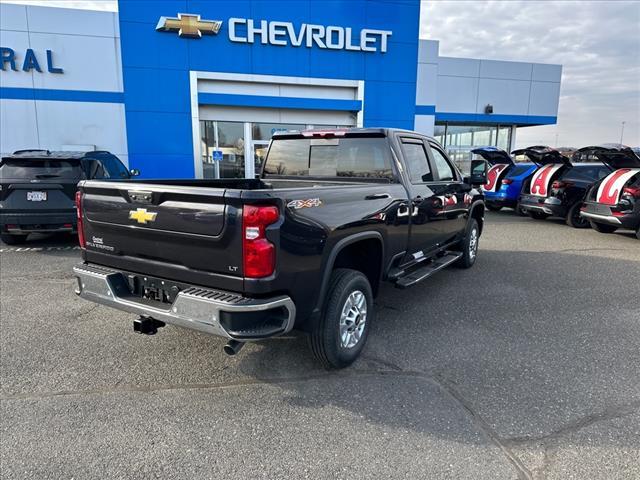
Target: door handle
x=377 y=196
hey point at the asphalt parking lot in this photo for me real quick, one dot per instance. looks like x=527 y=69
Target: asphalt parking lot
x=526 y=366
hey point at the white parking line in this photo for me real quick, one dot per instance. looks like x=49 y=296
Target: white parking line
x=38 y=249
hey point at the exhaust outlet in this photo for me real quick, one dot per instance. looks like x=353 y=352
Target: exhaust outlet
x=233 y=347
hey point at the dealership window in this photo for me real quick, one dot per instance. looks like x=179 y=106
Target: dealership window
x=458 y=140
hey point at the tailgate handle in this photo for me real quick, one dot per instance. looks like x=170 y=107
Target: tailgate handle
x=140 y=196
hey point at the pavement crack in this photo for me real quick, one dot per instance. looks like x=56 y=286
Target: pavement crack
x=522 y=471
x=609 y=413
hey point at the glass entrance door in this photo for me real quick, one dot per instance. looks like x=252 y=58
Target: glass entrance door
x=222 y=149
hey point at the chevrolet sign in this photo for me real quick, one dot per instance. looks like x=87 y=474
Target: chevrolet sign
x=246 y=30
x=331 y=37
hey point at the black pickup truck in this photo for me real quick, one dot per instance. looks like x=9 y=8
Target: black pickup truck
x=306 y=245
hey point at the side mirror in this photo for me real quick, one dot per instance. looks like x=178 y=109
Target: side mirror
x=478 y=174
x=134 y=172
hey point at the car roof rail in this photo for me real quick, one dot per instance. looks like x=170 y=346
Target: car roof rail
x=32 y=150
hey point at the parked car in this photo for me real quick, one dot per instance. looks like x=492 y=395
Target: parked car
x=37 y=189
x=504 y=179
x=306 y=245
x=558 y=187
x=614 y=201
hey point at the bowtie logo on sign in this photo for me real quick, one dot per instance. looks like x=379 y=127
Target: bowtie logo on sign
x=246 y=30
x=190 y=26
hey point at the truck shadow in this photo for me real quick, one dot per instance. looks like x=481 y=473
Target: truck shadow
x=529 y=341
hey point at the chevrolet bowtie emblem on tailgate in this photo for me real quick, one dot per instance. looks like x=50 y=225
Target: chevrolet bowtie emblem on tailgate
x=142 y=216
x=188 y=25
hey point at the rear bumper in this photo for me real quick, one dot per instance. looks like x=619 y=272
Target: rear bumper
x=501 y=199
x=549 y=205
x=603 y=214
x=17 y=222
x=216 y=312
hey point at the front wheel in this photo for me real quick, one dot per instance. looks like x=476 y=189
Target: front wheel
x=603 y=227
x=13 y=239
x=574 y=219
x=539 y=215
x=342 y=332
x=469 y=246
x=519 y=210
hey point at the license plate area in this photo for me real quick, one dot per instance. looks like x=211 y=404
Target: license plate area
x=154 y=289
x=602 y=209
x=37 y=196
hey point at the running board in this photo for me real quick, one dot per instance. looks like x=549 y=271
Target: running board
x=424 y=272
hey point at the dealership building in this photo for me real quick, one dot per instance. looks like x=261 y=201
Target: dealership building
x=194 y=89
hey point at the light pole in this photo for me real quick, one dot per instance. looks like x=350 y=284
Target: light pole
x=622 y=132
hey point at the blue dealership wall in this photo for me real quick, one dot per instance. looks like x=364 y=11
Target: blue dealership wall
x=156 y=66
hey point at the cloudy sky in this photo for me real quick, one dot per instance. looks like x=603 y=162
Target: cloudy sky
x=597 y=42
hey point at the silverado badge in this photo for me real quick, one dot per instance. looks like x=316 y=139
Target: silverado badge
x=142 y=216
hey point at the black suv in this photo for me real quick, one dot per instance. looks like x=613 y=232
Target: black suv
x=558 y=187
x=38 y=187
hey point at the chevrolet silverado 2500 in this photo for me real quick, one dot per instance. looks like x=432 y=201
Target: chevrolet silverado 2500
x=306 y=245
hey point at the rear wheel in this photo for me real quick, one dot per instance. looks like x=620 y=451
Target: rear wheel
x=603 y=227
x=10 y=239
x=494 y=207
x=539 y=215
x=573 y=218
x=519 y=210
x=469 y=246
x=342 y=332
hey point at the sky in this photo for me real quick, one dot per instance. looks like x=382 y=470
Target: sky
x=596 y=42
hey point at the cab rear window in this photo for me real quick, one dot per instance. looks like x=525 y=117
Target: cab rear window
x=29 y=168
x=365 y=157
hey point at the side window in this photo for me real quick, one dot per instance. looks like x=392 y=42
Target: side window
x=415 y=157
x=95 y=170
x=443 y=167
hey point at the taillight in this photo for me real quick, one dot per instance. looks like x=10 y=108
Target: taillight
x=258 y=253
x=81 y=240
x=561 y=184
x=507 y=181
x=633 y=191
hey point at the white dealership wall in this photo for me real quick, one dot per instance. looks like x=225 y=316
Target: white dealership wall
x=86 y=45
x=523 y=91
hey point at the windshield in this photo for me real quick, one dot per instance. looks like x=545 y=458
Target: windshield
x=365 y=157
x=30 y=168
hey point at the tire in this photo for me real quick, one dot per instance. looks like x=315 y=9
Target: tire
x=493 y=207
x=519 y=210
x=539 y=215
x=638 y=233
x=13 y=239
x=469 y=246
x=573 y=218
x=603 y=227
x=331 y=340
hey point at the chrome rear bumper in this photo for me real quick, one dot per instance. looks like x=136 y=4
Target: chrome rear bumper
x=194 y=307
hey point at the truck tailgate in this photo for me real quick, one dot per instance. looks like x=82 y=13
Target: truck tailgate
x=160 y=229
